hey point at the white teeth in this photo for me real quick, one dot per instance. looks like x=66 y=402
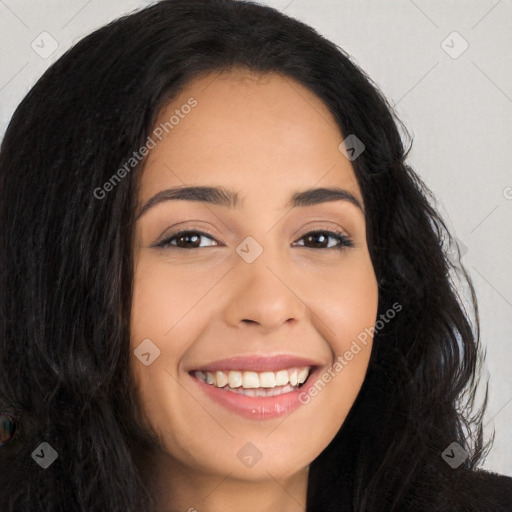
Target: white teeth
x=254 y=380
x=265 y=392
x=250 y=380
x=267 y=380
x=221 y=379
x=235 y=379
x=303 y=375
x=281 y=378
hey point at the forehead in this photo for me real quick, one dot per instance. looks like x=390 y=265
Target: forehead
x=261 y=134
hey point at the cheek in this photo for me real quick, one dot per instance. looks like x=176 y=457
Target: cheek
x=166 y=319
x=158 y=304
x=152 y=301
x=154 y=313
x=170 y=309
x=348 y=308
x=342 y=302
x=163 y=299
x=357 y=311
x=346 y=301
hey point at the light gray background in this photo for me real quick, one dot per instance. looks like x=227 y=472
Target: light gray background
x=459 y=111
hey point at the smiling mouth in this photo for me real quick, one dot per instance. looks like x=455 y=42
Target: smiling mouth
x=256 y=384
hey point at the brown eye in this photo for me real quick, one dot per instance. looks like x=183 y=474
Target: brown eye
x=313 y=240
x=185 y=240
x=320 y=240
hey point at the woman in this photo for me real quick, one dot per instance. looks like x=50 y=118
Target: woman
x=222 y=286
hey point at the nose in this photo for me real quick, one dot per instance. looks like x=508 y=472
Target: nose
x=264 y=293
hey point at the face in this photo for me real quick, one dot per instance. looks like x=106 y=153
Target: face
x=251 y=294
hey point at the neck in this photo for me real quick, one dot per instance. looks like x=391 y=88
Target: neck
x=178 y=488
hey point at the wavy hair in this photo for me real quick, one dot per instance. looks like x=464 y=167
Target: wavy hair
x=66 y=270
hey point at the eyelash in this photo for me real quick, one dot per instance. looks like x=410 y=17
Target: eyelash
x=343 y=240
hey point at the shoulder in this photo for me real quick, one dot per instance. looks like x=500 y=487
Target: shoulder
x=479 y=484
x=480 y=490
x=462 y=491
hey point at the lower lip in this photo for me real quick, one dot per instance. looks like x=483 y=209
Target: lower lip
x=256 y=407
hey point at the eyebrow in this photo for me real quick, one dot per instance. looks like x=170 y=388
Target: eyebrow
x=221 y=196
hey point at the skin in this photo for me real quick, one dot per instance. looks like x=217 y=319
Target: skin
x=266 y=137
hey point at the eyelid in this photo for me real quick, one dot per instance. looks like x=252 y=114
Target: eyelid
x=166 y=238
x=343 y=240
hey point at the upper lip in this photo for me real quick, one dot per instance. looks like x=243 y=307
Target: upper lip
x=257 y=363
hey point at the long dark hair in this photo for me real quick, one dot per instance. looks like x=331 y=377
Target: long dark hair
x=66 y=270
